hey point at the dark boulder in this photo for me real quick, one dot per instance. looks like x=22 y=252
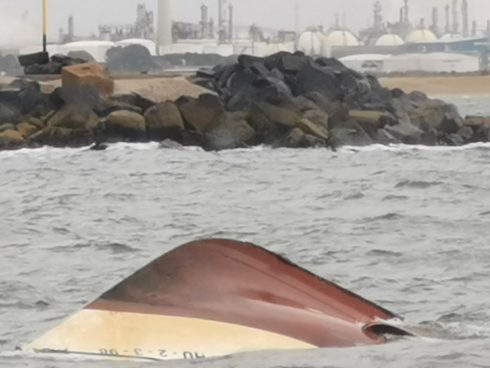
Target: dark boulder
x=350 y=133
x=317 y=117
x=232 y=131
x=74 y=116
x=285 y=62
x=314 y=78
x=134 y=99
x=163 y=121
x=247 y=61
x=9 y=114
x=6 y=126
x=26 y=129
x=35 y=58
x=385 y=138
x=284 y=114
x=267 y=132
x=81 y=95
x=132 y=58
x=62 y=137
x=314 y=129
x=124 y=125
x=406 y=132
x=436 y=114
x=10 y=139
x=202 y=113
x=25 y=96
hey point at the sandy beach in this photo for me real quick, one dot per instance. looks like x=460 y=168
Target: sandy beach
x=441 y=85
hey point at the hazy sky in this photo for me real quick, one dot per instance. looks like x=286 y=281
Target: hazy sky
x=20 y=19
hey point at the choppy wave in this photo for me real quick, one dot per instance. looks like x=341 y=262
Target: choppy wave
x=406 y=227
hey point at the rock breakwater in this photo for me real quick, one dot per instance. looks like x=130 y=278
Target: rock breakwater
x=284 y=100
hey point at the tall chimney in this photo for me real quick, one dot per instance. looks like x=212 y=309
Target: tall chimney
x=164 y=24
x=221 y=21
x=230 y=22
x=406 y=14
x=448 y=21
x=455 y=17
x=464 y=12
x=473 y=29
x=401 y=16
x=204 y=21
x=435 y=21
x=71 y=28
x=378 y=16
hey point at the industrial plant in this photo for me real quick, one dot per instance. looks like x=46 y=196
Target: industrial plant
x=448 y=43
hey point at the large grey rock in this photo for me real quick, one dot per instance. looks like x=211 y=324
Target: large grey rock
x=318 y=117
x=7 y=126
x=24 y=95
x=477 y=121
x=125 y=125
x=9 y=114
x=286 y=62
x=62 y=137
x=314 y=78
x=202 y=113
x=232 y=131
x=74 y=116
x=313 y=129
x=163 y=121
x=384 y=137
x=10 y=139
x=283 y=114
x=294 y=138
x=436 y=114
x=267 y=132
x=406 y=132
x=350 y=133
x=26 y=129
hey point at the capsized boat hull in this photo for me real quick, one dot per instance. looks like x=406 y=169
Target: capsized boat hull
x=218 y=297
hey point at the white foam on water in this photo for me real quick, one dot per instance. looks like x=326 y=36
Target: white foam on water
x=405 y=147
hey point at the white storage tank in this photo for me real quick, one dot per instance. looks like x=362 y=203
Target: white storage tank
x=338 y=38
x=390 y=39
x=420 y=36
x=311 y=42
x=451 y=37
x=98 y=49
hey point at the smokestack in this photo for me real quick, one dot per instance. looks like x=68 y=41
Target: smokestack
x=464 y=12
x=406 y=13
x=204 y=21
x=473 y=29
x=164 y=24
x=455 y=17
x=221 y=21
x=230 y=22
x=401 y=15
x=448 y=22
x=378 y=16
x=297 y=25
x=435 y=21
x=71 y=28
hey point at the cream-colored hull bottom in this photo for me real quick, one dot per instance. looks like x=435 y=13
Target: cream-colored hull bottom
x=144 y=336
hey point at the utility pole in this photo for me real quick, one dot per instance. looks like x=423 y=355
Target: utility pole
x=45 y=25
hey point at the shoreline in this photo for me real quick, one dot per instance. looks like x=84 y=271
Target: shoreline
x=437 y=85
x=431 y=84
